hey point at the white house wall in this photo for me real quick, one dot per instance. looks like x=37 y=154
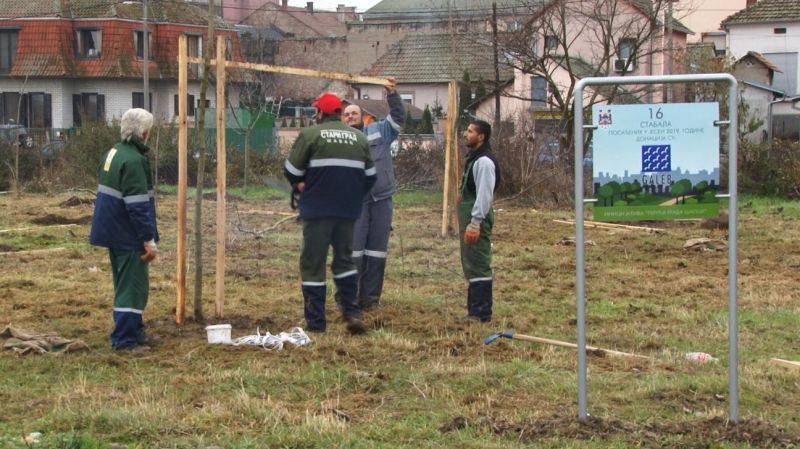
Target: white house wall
x=762 y=39
x=118 y=95
x=60 y=90
x=703 y=16
x=757 y=101
x=423 y=94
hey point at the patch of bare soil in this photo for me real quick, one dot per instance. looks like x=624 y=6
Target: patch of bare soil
x=52 y=219
x=699 y=433
x=75 y=201
x=754 y=432
x=550 y=427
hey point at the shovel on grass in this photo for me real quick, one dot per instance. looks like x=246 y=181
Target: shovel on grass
x=563 y=344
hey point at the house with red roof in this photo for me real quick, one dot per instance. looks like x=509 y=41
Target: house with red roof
x=65 y=62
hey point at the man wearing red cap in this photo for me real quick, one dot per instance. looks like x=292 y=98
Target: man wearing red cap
x=331 y=167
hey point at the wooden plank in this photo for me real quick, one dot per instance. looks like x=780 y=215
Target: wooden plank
x=590 y=225
x=299 y=71
x=602 y=224
x=785 y=363
x=32 y=252
x=221 y=178
x=180 y=244
x=36 y=228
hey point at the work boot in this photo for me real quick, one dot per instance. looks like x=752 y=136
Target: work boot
x=355 y=326
x=472 y=319
x=133 y=349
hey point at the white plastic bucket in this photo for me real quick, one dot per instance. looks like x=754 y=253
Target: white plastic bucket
x=219 y=334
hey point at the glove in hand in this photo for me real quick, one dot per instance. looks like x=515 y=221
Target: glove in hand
x=472 y=234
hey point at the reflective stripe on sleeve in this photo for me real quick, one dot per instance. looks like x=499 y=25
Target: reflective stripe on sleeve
x=293 y=170
x=335 y=162
x=109 y=191
x=133 y=199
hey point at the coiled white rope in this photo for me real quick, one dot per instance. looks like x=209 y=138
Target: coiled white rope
x=270 y=342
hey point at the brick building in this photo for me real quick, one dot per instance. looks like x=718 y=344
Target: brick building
x=68 y=61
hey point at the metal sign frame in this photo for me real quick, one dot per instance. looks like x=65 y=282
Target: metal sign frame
x=580 y=257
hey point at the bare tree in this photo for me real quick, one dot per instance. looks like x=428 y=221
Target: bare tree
x=563 y=41
x=201 y=166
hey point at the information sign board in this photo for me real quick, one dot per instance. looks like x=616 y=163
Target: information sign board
x=655 y=161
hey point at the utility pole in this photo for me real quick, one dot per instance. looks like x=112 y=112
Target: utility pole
x=146 y=57
x=496 y=70
x=669 y=48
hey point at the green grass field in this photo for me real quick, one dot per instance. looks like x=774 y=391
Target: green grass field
x=420 y=378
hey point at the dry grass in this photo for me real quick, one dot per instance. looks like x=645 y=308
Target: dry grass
x=420 y=378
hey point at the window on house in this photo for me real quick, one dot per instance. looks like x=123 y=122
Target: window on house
x=208 y=103
x=88 y=107
x=9 y=107
x=627 y=50
x=626 y=56
x=8 y=49
x=779 y=30
x=538 y=90
x=513 y=25
x=535 y=46
x=138 y=100
x=39 y=107
x=33 y=109
x=407 y=98
x=550 y=43
x=189 y=105
x=88 y=43
x=138 y=43
x=194 y=45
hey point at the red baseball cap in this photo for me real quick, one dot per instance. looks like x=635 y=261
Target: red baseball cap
x=328 y=103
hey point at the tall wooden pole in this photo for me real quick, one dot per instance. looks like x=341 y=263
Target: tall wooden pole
x=450 y=156
x=455 y=158
x=180 y=245
x=221 y=180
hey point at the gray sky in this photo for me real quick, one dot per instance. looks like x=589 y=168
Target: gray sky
x=361 y=5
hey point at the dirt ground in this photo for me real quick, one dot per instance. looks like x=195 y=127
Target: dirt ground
x=646 y=294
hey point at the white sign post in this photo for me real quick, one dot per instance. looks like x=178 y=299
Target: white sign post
x=580 y=263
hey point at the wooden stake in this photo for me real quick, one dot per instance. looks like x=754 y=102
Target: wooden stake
x=221 y=179
x=455 y=166
x=785 y=363
x=180 y=244
x=447 y=161
x=450 y=158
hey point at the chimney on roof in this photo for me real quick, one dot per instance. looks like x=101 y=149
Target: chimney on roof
x=345 y=13
x=284 y=4
x=310 y=7
x=750 y=3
